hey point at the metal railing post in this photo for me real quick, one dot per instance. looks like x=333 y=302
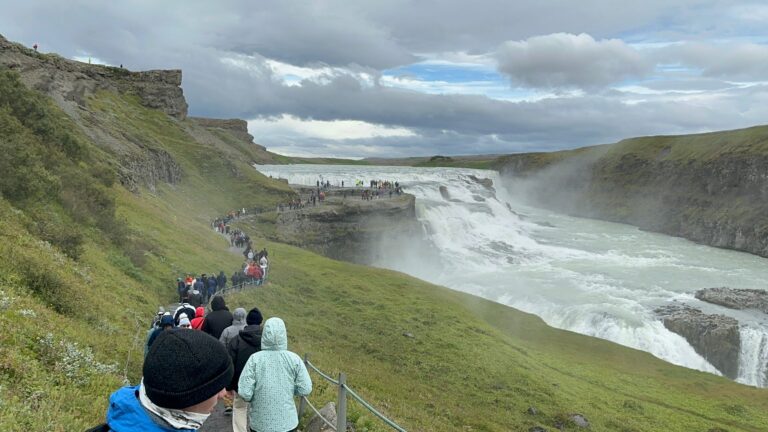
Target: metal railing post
x=303 y=401
x=341 y=408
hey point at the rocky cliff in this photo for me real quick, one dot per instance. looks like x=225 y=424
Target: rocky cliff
x=91 y=94
x=346 y=227
x=715 y=337
x=238 y=128
x=709 y=188
x=70 y=82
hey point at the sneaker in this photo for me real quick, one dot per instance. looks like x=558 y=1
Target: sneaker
x=228 y=410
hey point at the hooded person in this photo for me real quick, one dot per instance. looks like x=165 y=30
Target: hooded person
x=240 y=348
x=185 y=374
x=238 y=323
x=219 y=319
x=270 y=380
x=197 y=321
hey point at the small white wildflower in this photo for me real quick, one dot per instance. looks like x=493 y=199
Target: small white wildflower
x=29 y=313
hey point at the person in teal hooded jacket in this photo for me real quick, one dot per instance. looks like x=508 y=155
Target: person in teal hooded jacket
x=271 y=379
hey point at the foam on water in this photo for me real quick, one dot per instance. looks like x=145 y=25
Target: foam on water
x=597 y=278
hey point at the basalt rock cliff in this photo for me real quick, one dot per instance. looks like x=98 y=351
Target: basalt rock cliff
x=83 y=91
x=715 y=337
x=344 y=227
x=71 y=82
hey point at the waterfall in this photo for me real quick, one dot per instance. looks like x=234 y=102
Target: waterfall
x=593 y=277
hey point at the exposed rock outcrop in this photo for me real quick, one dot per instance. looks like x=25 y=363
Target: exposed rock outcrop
x=148 y=168
x=444 y=193
x=714 y=337
x=70 y=82
x=316 y=424
x=735 y=298
x=485 y=182
x=346 y=228
x=238 y=128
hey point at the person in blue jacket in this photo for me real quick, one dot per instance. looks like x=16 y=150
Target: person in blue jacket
x=185 y=374
x=270 y=380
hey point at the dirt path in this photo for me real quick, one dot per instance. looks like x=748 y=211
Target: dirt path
x=219 y=421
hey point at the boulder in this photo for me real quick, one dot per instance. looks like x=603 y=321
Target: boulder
x=735 y=298
x=444 y=192
x=715 y=337
x=318 y=425
x=485 y=182
x=579 y=420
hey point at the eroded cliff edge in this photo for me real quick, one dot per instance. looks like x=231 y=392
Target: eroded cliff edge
x=709 y=188
x=344 y=226
x=98 y=98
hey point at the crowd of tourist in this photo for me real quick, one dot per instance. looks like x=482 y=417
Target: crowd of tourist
x=374 y=189
x=190 y=364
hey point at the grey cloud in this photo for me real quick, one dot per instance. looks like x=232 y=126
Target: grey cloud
x=377 y=33
x=572 y=61
x=199 y=37
x=734 y=61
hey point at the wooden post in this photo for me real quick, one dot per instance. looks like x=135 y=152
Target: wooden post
x=303 y=401
x=341 y=408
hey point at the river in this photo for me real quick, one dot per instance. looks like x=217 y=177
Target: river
x=596 y=278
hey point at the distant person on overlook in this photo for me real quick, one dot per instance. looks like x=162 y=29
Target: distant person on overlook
x=270 y=380
x=185 y=374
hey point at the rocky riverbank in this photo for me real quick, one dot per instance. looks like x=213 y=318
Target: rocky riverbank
x=715 y=337
x=735 y=298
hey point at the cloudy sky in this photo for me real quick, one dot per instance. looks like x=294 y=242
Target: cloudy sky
x=404 y=78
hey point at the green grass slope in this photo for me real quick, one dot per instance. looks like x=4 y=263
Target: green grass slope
x=84 y=263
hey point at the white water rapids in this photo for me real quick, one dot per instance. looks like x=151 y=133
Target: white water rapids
x=592 y=277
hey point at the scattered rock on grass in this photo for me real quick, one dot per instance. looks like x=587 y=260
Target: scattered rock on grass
x=580 y=420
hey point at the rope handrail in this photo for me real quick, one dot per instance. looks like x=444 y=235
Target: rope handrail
x=321 y=373
x=357 y=397
x=374 y=410
x=318 y=413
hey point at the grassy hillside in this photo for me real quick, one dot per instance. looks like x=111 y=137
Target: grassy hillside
x=84 y=264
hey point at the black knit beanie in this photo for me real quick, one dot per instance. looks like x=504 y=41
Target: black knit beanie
x=254 y=317
x=184 y=368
